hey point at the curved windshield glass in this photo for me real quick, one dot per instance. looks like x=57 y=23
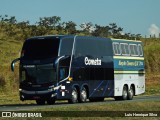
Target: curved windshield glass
x=40 y=48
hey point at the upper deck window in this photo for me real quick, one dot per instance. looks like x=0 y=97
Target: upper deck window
x=133 y=50
x=140 y=49
x=41 y=48
x=92 y=47
x=124 y=49
x=66 y=46
x=116 y=48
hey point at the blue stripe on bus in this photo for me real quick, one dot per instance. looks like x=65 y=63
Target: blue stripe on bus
x=106 y=88
x=111 y=92
x=96 y=88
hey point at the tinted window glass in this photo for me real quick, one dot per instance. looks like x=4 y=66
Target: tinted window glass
x=127 y=49
x=140 y=50
x=93 y=74
x=136 y=50
x=116 y=49
x=66 y=46
x=93 y=47
x=124 y=48
x=40 y=48
x=132 y=52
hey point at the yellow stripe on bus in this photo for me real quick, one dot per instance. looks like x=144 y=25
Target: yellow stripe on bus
x=128 y=57
x=129 y=72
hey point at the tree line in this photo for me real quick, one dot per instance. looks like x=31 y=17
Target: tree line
x=53 y=25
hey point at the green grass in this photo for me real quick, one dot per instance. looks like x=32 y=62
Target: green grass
x=118 y=108
x=9 y=50
x=152 y=84
x=113 y=106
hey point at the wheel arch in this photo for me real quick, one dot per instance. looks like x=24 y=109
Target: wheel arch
x=126 y=86
x=76 y=86
x=87 y=89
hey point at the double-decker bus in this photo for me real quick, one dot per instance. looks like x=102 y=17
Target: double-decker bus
x=77 y=68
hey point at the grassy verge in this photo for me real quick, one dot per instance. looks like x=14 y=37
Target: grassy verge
x=112 y=109
x=152 y=84
x=112 y=106
x=100 y=111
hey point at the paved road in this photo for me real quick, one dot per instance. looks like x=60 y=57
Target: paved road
x=20 y=107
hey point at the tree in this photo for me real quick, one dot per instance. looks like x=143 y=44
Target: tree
x=115 y=30
x=49 y=22
x=87 y=28
x=70 y=27
x=101 y=31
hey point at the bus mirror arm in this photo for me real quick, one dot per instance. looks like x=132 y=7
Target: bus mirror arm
x=13 y=63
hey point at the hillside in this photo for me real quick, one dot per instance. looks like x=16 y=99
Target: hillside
x=9 y=50
x=152 y=55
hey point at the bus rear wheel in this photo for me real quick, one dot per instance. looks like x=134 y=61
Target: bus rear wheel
x=130 y=93
x=83 y=95
x=40 y=102
x=124 y=94
x=74 y=97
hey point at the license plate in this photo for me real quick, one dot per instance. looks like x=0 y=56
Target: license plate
x=36 y=97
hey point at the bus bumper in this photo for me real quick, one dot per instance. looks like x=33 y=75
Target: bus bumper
x=36 y=95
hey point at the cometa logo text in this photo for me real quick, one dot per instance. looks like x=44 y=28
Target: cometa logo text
x=92 y=61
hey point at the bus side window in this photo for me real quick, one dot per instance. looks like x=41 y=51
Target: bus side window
x=124 y=49
x=136 y=50
x=116 y=48
x=132 y=52
x=127 y=49
x=140 y=50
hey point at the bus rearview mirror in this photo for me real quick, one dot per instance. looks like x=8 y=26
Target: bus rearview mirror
x=13 y=63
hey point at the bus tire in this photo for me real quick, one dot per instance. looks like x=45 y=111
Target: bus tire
x=74 y=96
x=40 y=102
x=50 y=101
x=124 y=93
x=130 y=93
x=83 y=95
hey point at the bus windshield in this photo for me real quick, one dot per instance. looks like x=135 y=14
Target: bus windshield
x=40 y=76
x=40 y=48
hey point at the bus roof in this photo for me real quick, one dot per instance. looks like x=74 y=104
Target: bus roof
x=49 y=36
x=126 y=40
